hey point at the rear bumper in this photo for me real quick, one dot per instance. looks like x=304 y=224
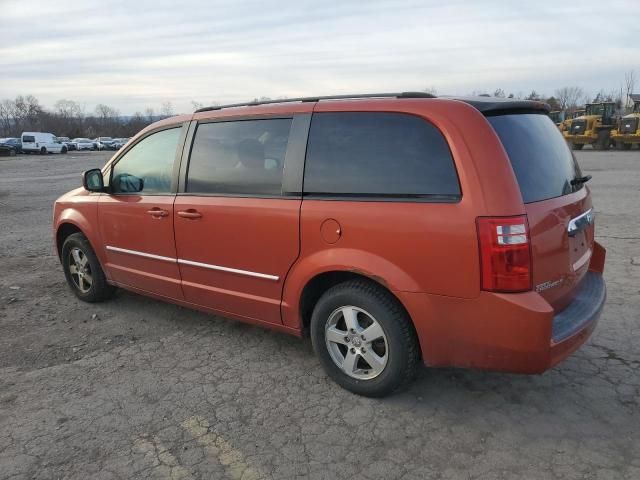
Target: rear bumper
x=517 y=333
x=573 y=326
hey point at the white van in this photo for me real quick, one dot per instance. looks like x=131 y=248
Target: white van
x=42 y=143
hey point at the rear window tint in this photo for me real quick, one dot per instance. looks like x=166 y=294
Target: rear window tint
x=244 y=157
x=378 y=154
x=539 y=155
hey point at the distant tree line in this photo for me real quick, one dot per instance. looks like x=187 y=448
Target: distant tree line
x=69 y=119
x=573 y=98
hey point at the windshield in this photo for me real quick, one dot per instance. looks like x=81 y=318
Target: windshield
x=541 y=160
x=595 y=109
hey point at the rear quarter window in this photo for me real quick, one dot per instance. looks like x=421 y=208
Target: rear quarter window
x=376 y=154
x=541 y=160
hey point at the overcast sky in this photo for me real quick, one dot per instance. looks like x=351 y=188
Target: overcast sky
x=134 y=54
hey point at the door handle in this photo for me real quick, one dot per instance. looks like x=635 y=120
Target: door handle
x=190 y=214
x=158 y=212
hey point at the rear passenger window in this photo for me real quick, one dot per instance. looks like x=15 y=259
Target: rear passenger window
x=378 y=154
x=239 y=158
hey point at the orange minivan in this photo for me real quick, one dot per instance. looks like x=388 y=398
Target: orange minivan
x=390 y=228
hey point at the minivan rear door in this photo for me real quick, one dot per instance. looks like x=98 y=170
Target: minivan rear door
x=557 y=203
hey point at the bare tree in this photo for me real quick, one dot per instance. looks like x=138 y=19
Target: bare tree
x=569 y=97
x=629 y=85
x=499 y=93
x=150 y=113
x=196 y=105
x=166 y=110
x=533 y=95
x=68 y=108
x=7 y=117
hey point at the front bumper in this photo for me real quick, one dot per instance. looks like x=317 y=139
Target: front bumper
x=580 y=139
x=626 y=138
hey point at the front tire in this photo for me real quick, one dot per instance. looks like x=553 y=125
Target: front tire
x=64 y=150
x=602 y=143
x=83 y=271
x=364 y=338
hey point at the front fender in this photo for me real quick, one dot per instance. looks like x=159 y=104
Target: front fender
x=351 y=260
x=84 y=217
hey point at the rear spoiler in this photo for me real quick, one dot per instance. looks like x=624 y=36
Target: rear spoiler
x=501 y=106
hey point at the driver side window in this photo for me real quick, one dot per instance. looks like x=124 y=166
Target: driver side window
x=148 y=167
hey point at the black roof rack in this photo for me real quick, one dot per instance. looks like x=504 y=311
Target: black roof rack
x=317 y=99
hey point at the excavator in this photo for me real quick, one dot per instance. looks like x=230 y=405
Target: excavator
x=593 y=128
x=628 y=132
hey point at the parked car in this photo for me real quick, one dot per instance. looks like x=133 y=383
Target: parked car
x=11 y=146
x=102 y=143
x=83 y=143
x=118 y=143
x=42 y=143
x=70 y=145
x=393 y=230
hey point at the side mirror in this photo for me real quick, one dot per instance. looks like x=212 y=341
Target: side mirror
x=92 y=180
x=125 y=183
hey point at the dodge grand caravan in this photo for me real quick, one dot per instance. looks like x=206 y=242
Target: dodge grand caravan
x=392 y=229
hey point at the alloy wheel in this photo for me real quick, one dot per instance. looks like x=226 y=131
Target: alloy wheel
x=80 y=270
x=356 y=342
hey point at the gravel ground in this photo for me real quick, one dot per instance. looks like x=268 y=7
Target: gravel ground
x=135 y=388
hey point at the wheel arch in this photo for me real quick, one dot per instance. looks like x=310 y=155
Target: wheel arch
x=316 y=286
x=72 y=221
x=334 y=264
x=64 y=230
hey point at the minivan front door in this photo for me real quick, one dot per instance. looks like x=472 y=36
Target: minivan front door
x=136 y=218
x=237 y=235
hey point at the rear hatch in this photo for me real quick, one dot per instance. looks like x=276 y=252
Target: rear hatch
x=557 y=203
x=29 y=142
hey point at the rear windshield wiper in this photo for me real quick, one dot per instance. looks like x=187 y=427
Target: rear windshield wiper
x=580 y=180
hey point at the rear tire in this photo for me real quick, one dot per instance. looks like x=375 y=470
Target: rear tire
x=43 y=151
x=577 y=146
x=83 y=271
x=379 y=362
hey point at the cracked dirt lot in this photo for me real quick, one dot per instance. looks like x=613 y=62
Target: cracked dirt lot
x=134 y=388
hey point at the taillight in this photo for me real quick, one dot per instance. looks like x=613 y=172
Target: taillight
x=505 y=253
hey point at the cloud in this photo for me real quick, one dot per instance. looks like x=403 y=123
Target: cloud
x=133 y=54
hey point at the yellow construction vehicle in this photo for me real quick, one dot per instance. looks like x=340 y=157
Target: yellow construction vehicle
x=565 y=125
x=592 y=128
x=557 y=117
x=628 y=131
